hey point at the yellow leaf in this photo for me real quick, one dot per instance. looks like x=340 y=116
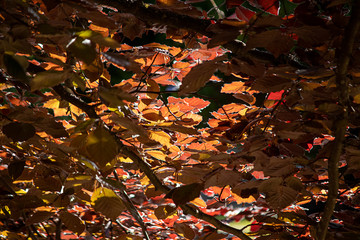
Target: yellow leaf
x=199 y=202
x=101 y=146
x=160 y=137
x=357 y=99
x=107 y=202
x=47 y=79
x=157 y=154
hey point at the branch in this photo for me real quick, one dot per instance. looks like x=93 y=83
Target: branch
x=189 y=209
x=75 y=100
x=153 y=14
x=118 y=185
x=340 y=124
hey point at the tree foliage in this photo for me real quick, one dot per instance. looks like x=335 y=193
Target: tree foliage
x=171 y=119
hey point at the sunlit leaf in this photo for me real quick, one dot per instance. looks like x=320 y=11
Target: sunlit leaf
x=72 y=222
x=107 y=202
x=163 y=212
x=101 y=146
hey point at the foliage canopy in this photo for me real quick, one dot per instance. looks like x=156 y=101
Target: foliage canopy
x=170 y=119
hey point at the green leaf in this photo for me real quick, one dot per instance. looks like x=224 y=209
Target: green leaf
x=99 y=39
x=101 y=146
x=18 y=131
x=286 y=8
x=107 y=202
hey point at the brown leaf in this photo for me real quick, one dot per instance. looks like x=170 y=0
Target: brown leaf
x=72 y=222
x=18 y=131
x=186 y=193
x=268 y=21
x=115 y=96
x=247 y=189
x=48 y=183
x=277 y=195
x=184 y=230
x=163 y=212
x=199 y=76
x=271 y=84
x=38 y=217
x=123 y=61
x=274 y=41
x=15 y=169
x=224 y=178
x=182 y=129
x=310 y=36
x=278 y=167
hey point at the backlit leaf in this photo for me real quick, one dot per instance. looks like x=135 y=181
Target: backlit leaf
x=198 y=76
x=101 y=146
x=107 y=202
x=160 y=137
x=184 y=230
x=163 y=212
x=186 y=193
x=72 y=222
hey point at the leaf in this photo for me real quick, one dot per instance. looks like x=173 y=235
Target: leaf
x=15 y=169
x=99 y=39
x=294 y=183
x=223 y=178
x=234 y=87
x=182 y=129
x=186 y=193
x=72 y=222
x=83 y=49
x=123 y=61
x=286 y=8
x=18 y=131
x=14 y=67
x=115 y=96
x=277 y=195
x=48 y=183
x=50 y=126
x=157 y=154
x=310 y=36
x=38 y=217
x=107 y=202
x=282 y=197
x=184 y=230
x=199 y=76
x=48 y=79
x=101 y=146
x=163 y=212
x=278 y=167
x=274 y=41
x=161 y=137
